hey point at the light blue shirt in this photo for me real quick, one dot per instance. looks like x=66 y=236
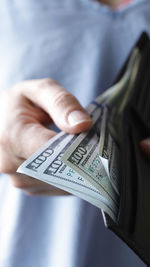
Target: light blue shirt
x=81 y=44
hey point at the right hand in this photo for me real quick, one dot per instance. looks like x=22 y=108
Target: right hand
x=24 y=110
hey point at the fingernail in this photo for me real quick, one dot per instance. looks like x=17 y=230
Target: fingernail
x=77 y=117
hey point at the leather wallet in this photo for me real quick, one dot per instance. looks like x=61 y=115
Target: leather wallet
x=133 y=222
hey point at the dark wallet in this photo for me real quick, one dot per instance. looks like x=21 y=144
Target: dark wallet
x=133 y=222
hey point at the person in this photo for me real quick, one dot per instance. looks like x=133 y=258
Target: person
x=47 y=46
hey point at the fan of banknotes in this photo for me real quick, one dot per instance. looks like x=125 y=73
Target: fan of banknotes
x=86 y=165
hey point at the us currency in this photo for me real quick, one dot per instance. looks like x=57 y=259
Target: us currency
x=109 y=136
x=94 y=199
x=46 y=165
x=109 y=139
x=122 y=89
x=109 y=153
x=83 y=157
x=118 y=100
x=108 y=150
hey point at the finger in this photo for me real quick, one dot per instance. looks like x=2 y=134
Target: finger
x=33 y=186
x=63 y=107
x=8 y=161
x=46 y=192
x=23 y=141
x=31 y=137
x=25 y=182
x=145 y=146
x=28 y=110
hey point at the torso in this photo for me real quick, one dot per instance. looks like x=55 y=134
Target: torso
x=82 y=45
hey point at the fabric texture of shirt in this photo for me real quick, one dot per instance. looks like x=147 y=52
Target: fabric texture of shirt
x=82 y=44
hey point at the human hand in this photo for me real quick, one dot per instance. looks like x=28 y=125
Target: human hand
x=25 y=109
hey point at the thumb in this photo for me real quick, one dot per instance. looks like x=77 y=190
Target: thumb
x=62 y=107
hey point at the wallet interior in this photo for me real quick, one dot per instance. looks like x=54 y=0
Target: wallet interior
x=133 y=222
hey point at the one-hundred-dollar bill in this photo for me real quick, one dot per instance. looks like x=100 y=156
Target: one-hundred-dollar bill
x=83 y=157
x=95 y=199
x=116 y=102
x=46 y=165
x=109 y=153
x=109 y=138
